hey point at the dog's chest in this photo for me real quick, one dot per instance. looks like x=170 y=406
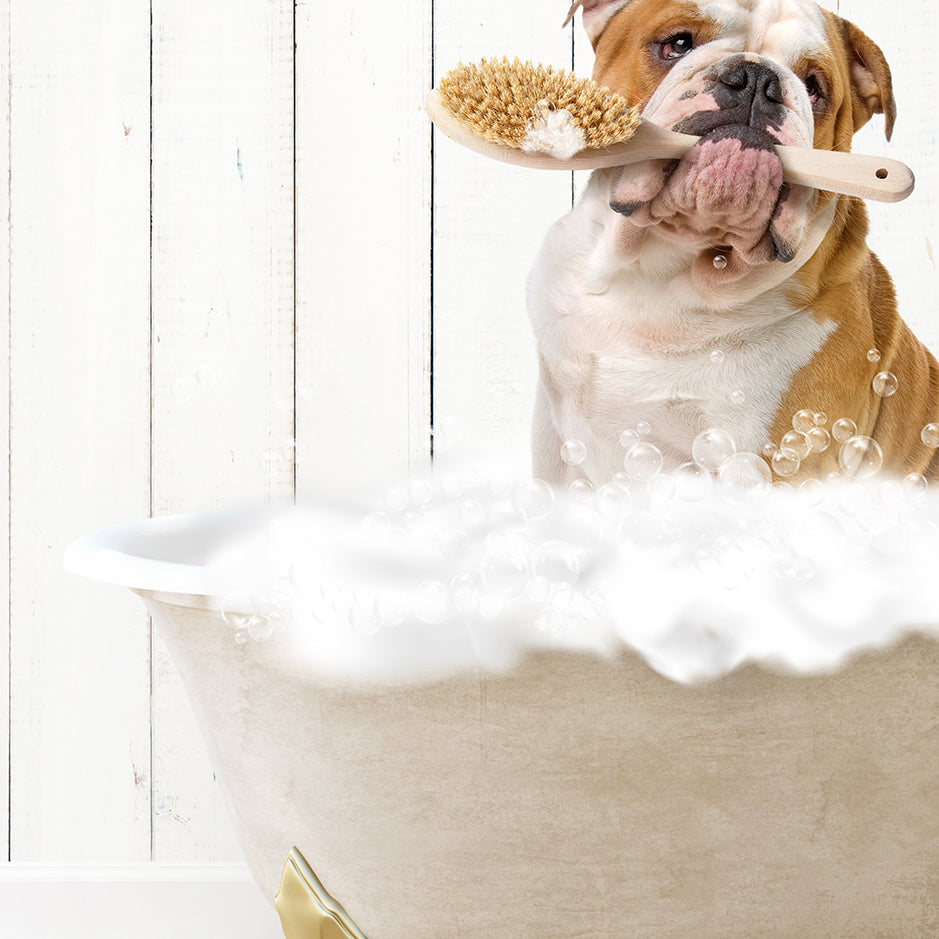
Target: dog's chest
x=607 y=379
x=630 y=356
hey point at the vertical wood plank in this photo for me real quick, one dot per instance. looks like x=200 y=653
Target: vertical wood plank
x=79 y=249
x=489 y=220
x=906 y=235
x=363 y=240
x=5 y=45
x=223 y=322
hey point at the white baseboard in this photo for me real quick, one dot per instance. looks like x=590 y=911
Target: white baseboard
x=146 y=901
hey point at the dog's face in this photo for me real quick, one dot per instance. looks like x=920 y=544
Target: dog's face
x=743 y=75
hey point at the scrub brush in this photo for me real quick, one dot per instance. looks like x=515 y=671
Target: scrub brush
x=547 y=118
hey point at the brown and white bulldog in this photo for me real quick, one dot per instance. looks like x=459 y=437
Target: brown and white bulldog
x=708 y=292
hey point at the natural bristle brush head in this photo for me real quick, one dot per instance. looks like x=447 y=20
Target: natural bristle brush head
x=536 y=108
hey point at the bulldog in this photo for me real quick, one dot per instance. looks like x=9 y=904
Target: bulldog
x=682 y=296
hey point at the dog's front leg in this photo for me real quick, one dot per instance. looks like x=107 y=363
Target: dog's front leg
x=546 y=443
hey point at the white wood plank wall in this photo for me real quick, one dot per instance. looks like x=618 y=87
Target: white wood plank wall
x=228 y=238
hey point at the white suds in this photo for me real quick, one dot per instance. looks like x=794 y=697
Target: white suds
x=697 y=577
x=555 y=133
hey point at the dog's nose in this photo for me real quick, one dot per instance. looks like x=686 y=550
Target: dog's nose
x=754 y=88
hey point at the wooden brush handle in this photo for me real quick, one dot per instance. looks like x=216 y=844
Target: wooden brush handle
x=850 y=174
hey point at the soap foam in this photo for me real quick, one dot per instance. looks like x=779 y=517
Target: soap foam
x=473 y=568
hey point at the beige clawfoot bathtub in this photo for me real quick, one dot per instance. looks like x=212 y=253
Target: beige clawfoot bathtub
x=571 y=795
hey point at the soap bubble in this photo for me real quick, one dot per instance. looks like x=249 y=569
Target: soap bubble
x=573 y=452
x=362 y=617
x=233 y=610
x=813 y=491
x=818 y=439
x=844 y=429
x=860 y=457
x=796 y=442
x=820 y=418
x=737 y=396
x=885 y=384
x=420 y=491
x=646 y=529
x=803 y=421
x=491 y=606
x=504 y=571
x=431 y=602
x=745 y=471
x=391 y=606
x=720 y=262
x=711 y=448
x=558 y=562
x=915 y=482
x=612 y=501
x=261 y=628
x=452 y=486
x=465 y=593
x=627 y=439
x=930 y=435
x=538 y=589
x=643 y=461
x=471 y=513
x=692 y=482
x=534 y=499
x=395 y=499
x=643 y=428
x=873 y=355
x=786 y=462
x=661 y=488
x=581 y=491
x=717 y=357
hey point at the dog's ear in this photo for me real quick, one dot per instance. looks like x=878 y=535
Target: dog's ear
x=596 y=14
x=871 y=84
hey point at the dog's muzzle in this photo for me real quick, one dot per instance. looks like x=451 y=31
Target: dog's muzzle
x=727 y=194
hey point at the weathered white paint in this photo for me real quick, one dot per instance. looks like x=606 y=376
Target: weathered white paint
x=488 y=223
x=79 y=434
x=4 y=425
x=222 y=324
x=363 y=240
x=112 y=412
x=146 y=901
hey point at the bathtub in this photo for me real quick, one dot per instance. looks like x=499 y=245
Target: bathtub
x=571 y=794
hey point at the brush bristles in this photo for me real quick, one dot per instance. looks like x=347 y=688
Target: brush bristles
x=504 y=101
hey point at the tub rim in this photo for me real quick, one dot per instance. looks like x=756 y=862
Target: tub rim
x=138 y=554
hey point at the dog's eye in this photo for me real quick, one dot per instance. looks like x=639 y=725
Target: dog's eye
x=814 y=88
x=676 y=46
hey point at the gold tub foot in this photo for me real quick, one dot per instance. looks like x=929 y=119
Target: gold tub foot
x=306 y=910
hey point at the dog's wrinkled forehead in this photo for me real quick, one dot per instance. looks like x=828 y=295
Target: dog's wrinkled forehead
x=784 y=30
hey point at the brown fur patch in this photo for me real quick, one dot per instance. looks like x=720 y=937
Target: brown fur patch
x=626 y=61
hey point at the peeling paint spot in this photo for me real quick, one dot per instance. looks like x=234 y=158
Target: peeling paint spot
x=127 y=130
x=241 y=175
x=932 y=259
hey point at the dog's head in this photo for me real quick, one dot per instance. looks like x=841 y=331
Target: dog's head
x=743 y=75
